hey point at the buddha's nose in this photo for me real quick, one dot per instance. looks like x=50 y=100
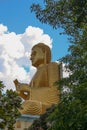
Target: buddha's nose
x=31 y=57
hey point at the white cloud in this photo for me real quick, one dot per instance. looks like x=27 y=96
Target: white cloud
x=3 y=29
x=63 y=71
x=14 y=54
x=34 y=35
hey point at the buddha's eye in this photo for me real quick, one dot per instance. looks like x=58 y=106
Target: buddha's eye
x=33 y=53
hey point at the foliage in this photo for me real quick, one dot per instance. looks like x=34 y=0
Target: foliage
x=68 y=14
x=71 y=15
x=71 y=113
x=9 y=104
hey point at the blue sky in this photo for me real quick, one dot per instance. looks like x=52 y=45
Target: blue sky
x=19 y=30
x=16 y=15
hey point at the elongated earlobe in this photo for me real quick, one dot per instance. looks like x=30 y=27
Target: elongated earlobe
x=45 y=58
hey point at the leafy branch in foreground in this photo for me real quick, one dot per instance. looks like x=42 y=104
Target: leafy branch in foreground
x=10 y=102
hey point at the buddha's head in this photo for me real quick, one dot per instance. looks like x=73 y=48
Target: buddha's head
x=40 y=55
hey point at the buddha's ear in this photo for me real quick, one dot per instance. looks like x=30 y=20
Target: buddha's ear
x=45 y=57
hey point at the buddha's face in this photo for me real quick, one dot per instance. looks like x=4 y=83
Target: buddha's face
x=37 y=57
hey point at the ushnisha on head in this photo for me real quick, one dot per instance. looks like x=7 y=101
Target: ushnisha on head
x=40 y=55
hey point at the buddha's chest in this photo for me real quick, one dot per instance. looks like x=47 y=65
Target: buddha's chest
x=40 y=79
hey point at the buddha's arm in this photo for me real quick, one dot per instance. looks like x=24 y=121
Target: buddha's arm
x=53 y=73
x=22 y=89
x=45 y=95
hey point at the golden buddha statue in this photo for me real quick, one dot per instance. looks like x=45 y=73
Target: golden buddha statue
x=41 y=92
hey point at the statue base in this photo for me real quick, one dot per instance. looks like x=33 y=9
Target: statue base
x=24 y=121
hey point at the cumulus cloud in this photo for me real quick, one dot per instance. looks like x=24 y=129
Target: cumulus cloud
x=14 y=54
x=3 y=29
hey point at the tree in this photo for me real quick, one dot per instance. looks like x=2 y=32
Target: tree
x=68 y=14
x=71 y=15
x=10 y=102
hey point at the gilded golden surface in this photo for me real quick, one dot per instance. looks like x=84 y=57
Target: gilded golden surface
x=41 y=92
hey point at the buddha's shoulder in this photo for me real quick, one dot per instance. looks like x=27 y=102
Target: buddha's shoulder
x=53 y=64
x=50 y=66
